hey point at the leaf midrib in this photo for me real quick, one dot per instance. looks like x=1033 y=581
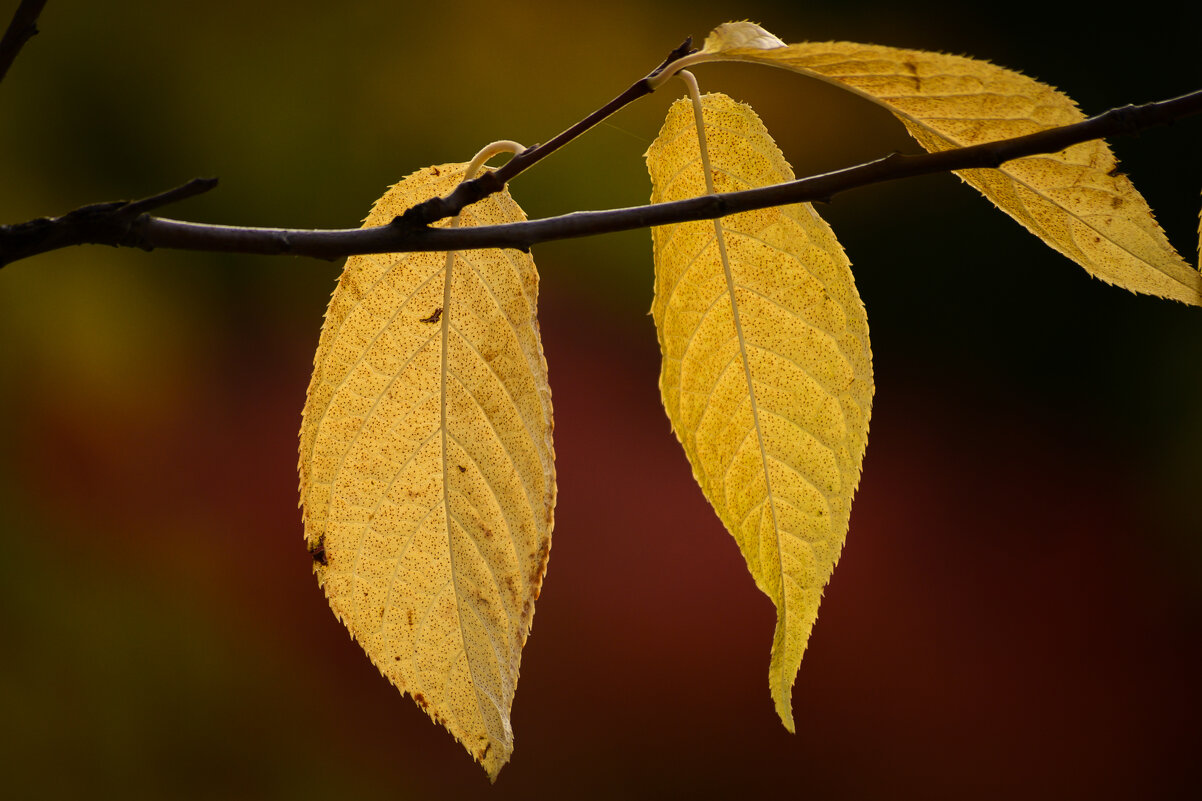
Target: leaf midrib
x=446 y=488
x=720 y=237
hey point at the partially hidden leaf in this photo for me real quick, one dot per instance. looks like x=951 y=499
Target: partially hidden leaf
x=767 y=372
x=426 y=466
x=1074 y=200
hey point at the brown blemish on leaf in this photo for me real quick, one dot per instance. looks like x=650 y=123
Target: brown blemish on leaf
x=462 y=469
x=421 y=700
x=318 y=551
x=484 y=753
x=352 y=284
x=536 y=578
x=435 y=171
x=410 y=621
x=434 y=317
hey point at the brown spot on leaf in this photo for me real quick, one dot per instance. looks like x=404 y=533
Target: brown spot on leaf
x=318 y=550
x=421 y=700
x=462 y=469
x=434 y=317
x=536 y=578
x=410 y=621
x=484 y=753
x=434 y=171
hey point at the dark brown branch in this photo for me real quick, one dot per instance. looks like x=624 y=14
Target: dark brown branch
x=469 y=192
x=110 y=224
x=24 y=26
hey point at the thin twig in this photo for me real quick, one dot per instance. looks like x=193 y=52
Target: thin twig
x=112 y=225
x=24 y=26
x=477 y=189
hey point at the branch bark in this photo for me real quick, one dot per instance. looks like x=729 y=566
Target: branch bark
x=468 y=192
x=22 y=28
x=128 y=224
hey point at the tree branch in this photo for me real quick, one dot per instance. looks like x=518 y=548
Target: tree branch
x=112 y=223
x=469 y=192
x=24 y=26
x=126 y=224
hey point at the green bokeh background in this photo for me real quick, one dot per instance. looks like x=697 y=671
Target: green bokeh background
x=1018 y=609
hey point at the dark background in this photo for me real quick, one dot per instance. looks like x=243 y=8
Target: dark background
x=1017 y=610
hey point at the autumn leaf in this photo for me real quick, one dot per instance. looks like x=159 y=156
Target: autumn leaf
x=426 y=466
x=767 y=373
x=1074 y=200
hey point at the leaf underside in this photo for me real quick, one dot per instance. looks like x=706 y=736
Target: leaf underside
x=426 y=466
x=767 y=373
x=1074 y=200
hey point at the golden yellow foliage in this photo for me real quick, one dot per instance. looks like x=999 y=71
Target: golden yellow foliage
x=426 y=466
x=767 y=372
x=1074 y=200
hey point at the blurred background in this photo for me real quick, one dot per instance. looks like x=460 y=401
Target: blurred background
x=1018 y=608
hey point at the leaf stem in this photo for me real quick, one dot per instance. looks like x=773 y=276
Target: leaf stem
x=487 y=152
x=476 y=189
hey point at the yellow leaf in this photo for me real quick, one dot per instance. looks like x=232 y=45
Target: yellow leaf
x=426 y=466
x=767 y=373
x=1074 y=200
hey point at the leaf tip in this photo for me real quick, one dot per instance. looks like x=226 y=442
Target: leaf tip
x=784 y=708
x=780 y=682
x=492 y=760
